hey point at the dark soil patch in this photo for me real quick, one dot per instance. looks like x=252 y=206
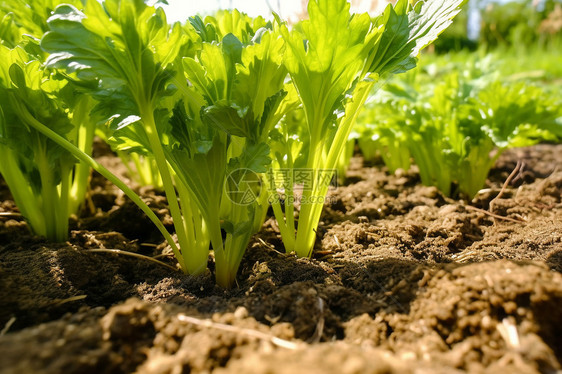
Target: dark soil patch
x=403 y=280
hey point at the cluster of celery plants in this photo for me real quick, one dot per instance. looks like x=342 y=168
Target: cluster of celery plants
x=222 y=106
x=456 y=124
x=199 y=98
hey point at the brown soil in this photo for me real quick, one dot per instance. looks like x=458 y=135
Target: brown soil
x=403 y=280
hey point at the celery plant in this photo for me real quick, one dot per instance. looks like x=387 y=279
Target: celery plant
x=205 y=99
x=378 y=132
x=199 y=99
x=334 y=60
x=47 y=184
x=221 y=131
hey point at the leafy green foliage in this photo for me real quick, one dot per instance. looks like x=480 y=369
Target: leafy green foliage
x=21 y=17
x=125 y=46
x=456 y=129
x=47 y=185
x=124 y=51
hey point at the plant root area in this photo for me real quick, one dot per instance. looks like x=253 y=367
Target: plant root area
x=402 y=280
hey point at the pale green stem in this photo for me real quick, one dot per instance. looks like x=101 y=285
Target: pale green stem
x=152 y=133
x=228 y=260
x=28 y=203
x=81 y=176
x=306 y=238
x=195 y=256
x=49 y=193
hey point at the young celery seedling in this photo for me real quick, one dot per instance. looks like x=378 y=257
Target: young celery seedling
x=334 y=60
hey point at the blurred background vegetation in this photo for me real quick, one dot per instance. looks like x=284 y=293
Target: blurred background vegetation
x=514 y=24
